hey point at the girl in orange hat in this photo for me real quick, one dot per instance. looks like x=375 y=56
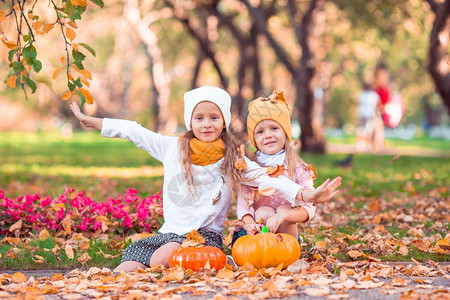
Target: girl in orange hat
x=269 y=130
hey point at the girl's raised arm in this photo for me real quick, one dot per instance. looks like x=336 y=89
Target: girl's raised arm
x=86 y=121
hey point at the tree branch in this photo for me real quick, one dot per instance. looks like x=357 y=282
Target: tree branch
x=204 y=43
x=261 y=22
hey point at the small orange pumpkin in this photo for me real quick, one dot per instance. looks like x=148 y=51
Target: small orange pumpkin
x=196 y=258
x=266 y=249
x=192 y=254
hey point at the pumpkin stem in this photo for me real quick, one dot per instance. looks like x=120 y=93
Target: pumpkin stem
x=264 y=229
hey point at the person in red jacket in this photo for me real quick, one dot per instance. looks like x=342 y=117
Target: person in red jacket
x=381 y=85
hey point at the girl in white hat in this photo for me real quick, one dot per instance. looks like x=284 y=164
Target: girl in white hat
x=200 y=177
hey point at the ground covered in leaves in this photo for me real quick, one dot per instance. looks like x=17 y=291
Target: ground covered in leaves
x=309 y=280
x=347 y=252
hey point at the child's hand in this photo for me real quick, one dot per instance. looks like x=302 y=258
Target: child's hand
x=274 y=222
x=252 y=228
x=323 y=193
x=86 y=121
x=78 y=114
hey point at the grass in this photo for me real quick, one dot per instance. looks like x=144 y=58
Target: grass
x=46 y=163
x=26 y=257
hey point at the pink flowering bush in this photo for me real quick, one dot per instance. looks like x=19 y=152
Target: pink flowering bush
x=75 y=212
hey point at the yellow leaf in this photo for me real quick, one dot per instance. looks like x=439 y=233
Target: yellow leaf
x=11 y=240
x=85 y=82
x=43 y=235
x=421 y=245
x=70 y=34
x=66 y=96
x=75 y=46
x=67 y=225
x=225 y=274
x=2 y=18
x=275 y=172
x=84 y=72
x=38 y=259
x=240 y=164
x=58 y=206
x=321 y=245
x=81 y=3
x=403 y=250
x=16 y=7
x=84 y=258
x=36 y=25
x=317 y=256
x=57 y=277
x=69 y=251
x=374 y=206
x=442 y=247
x=63 y=59
x=11 y=81
x=173 y=275
x=57 y=72
x=73 y=24
x=48 y=27
x=19 y=277
x=8 y=44
x=16 y=226
x=355 y=253
x=312 y=171
x=30 y=15
x=193 y=238
x=87 y=95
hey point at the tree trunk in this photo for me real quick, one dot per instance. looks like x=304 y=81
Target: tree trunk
x=438 y=66
x=310 y=109
x=160 y=81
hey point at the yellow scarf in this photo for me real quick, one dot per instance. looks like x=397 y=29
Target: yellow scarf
x=203 y=154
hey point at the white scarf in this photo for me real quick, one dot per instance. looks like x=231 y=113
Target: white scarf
x=271 y=160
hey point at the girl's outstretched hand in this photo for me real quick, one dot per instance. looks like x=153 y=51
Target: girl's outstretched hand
x=86 y=121
x=323 y=193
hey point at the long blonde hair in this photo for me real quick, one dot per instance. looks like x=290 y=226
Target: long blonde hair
x=292 y=160
x=233 y=176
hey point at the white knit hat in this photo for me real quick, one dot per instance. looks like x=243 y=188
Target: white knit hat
x=207 y=93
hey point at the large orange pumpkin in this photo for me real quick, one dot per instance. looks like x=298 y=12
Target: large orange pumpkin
x=192 y=254
x=196 y=258
x=266 y=249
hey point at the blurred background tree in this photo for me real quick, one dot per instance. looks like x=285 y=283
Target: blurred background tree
x=149 y=52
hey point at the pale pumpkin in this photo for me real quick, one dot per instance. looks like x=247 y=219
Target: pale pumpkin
x=265 y=250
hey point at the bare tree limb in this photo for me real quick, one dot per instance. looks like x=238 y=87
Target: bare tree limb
x=260 y=20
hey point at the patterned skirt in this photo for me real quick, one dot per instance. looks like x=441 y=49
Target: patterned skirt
x=142 y=250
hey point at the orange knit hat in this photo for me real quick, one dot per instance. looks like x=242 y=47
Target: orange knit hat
x=273 y=108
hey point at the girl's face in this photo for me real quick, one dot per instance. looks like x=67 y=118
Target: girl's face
x=269 y=137
x=207 y=122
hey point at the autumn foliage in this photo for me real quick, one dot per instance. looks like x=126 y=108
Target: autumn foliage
x=23 y=55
